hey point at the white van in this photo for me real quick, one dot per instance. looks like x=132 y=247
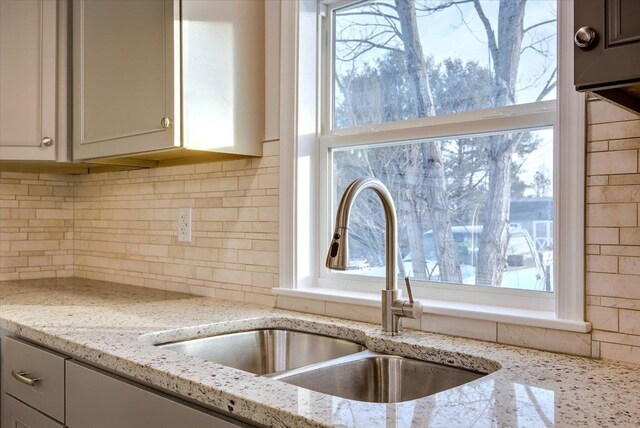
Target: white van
x=523 y=267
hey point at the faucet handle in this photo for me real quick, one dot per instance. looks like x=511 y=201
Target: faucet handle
x=404 y=309
x=407 y=282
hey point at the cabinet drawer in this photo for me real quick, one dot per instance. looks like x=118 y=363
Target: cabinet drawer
x=100 y=400
x=18 y=415
x=22 y=361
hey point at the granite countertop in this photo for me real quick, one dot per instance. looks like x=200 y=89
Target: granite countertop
x=115 y=326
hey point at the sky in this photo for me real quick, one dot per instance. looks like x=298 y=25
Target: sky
x=458 y=32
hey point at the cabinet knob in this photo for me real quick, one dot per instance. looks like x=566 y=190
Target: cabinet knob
x=46 y=141
x=585 y=37
x=166 y=122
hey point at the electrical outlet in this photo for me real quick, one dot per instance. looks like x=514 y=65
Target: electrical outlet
x=184 y=225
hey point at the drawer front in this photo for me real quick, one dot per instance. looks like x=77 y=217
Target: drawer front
x=20 y=363
x=18 y=415
x=100 y=400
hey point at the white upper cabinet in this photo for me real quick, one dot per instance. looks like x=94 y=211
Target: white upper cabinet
x=223 y=75
x=28 y=81
x=124 y=100
x=163 y=79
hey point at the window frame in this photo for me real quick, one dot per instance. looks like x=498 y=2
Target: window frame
x=305 y=173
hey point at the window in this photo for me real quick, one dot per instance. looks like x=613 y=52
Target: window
x=465 y=110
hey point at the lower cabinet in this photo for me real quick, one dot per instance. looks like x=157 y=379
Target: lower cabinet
x=44 y=389
x=32 y=385
x=34 y=376
x=15 y=414
x=99 y=400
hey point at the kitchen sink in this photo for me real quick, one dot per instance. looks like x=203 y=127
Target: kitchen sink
x=379 y=378
x=266 y=351
x=326 y=364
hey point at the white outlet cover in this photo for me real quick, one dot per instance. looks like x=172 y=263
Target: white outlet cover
x=184 y=224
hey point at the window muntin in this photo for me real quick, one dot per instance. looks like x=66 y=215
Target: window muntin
x=468 y=67
x=467 y=186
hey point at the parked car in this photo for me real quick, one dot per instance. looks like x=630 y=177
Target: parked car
x=523 y=267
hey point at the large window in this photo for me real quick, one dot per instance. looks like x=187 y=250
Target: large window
x=471 y=204
x=465 y=109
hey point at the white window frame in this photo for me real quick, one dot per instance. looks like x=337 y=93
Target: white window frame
x=305 y=193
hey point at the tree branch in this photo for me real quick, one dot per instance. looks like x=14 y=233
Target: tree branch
x=538 y=25
x=441 y=6
x=370 y=13
x=541 y=51
x=491 y=37
x=390 y=21
x=549 y=86
x=370 y=45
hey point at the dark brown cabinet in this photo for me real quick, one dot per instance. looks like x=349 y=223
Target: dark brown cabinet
x=607 y=50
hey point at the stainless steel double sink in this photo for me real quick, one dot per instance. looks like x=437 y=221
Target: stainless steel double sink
x=326 y=364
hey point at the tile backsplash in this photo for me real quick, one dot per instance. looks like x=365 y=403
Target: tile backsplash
x=126 y=227
x=123 y=227
x=613 y=231
x=36 y=226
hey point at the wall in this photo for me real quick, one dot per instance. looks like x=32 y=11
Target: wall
x=125 y=231
x=126 y=227
x=613 y=231
x=36 y=226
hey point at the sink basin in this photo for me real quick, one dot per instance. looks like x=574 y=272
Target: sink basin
x=379 y=378
x=266 y=351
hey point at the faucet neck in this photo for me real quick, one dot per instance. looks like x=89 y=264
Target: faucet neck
x=393 y=309
x=391 y=229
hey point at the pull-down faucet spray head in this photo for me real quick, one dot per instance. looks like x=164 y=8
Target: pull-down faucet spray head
x=338 y=254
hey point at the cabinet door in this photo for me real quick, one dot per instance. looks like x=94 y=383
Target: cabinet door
x=99 y=400
x=124 y=77
x=27 y=80
x=614 y=57
x=18 y=415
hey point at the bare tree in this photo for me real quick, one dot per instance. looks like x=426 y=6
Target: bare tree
x=398 y=31
x=505 y=52
x=433 y=166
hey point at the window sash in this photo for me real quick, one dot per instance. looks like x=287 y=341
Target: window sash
x=523 y=299
x=326 y=71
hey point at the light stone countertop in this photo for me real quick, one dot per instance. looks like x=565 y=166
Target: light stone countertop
x=115 y=326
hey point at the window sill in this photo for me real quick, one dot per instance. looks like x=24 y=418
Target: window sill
x=525 y=317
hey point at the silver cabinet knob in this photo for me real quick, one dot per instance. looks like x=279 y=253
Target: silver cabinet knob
x=165 y=122
x=46 y=141
x=585 y=37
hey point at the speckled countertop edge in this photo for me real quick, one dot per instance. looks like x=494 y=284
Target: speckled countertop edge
x=116 y=326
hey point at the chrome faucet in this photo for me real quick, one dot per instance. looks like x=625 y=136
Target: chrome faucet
x=393 y=308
